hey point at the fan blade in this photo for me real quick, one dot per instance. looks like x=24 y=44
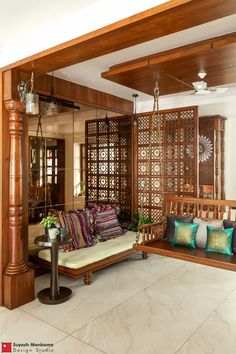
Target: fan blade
x=221 y=89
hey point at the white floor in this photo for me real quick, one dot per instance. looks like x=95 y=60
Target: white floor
x=157 y=306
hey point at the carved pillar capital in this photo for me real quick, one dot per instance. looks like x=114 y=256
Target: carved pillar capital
x=15 y=106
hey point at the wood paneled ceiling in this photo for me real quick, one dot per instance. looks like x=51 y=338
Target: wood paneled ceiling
x=170 y=17
x=216 y=56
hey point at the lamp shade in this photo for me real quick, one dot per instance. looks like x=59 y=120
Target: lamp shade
x=32 y=103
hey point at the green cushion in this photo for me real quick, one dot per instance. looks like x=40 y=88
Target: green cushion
x=185 y=234
x=219 y=240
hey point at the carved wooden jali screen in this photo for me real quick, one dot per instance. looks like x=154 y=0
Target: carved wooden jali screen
x=174 y=163
x=108 y=160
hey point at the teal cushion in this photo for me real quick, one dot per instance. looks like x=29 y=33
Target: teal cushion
x=219 y=240
x=185 y=234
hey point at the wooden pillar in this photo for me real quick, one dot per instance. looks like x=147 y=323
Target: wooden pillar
x=134 y=165
x=18 y=278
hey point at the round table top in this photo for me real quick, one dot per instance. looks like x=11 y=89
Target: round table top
x=46 y=241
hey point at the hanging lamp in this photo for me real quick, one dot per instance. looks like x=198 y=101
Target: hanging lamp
x=50 y=105
x=30 y=98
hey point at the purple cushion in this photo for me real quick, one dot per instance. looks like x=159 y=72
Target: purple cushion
x=107 y=224
x=228 y=224
x=170 y=225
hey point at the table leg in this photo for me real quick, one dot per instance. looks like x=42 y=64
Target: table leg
x=54 y=294
x=54 y=288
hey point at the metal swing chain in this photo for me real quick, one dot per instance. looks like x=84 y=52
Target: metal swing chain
x=155 y=114
x=39 y=128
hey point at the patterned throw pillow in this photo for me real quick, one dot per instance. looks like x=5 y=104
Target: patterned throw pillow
x=170 y=225
x=185 y=234
x=107 y=224
x=229 y=224
x=201 y=238
x=77 y=224
x=219 y=240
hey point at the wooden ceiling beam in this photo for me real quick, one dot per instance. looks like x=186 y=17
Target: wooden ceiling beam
x=164 y=19
x=215 y=55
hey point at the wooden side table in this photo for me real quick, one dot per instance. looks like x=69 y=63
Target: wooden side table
x=54 y=294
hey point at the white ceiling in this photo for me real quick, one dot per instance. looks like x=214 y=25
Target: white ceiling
x=28 y=27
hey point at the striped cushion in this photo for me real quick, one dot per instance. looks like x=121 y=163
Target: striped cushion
x=107 y=224
x=77 y=224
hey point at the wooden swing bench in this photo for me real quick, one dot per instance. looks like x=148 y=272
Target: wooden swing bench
x=152 y=236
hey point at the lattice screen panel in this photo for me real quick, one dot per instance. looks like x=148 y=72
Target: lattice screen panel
x=109 y=161
x=173 y=167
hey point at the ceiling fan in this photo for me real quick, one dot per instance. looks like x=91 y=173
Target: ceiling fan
x=200 y=87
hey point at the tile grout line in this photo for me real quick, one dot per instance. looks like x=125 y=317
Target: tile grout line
x=202 y=323
x=122 y=302
x=71 y=333
x=37 y=318
x=79 y=340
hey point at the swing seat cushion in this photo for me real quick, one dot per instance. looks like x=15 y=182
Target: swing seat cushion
x=88 y=255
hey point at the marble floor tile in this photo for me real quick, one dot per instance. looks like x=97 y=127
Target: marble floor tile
x=217 y=334
x=111 y=286
x=71 y=345
x=2 y=309
x=207 y=277
x=157 y=320
x=17 y=326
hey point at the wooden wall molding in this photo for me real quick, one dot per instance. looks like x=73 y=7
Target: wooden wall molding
x=66 y=90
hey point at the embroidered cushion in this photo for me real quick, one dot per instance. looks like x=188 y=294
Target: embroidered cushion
x=229 y=224
x=219 y=240
x=185 y=234
x=201 y=237
x=170 y=225
x=107 y=224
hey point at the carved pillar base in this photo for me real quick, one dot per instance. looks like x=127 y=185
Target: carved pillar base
x=18 y=289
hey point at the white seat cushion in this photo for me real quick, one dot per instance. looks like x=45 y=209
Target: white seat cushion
x=84 y=256
x=201 y=237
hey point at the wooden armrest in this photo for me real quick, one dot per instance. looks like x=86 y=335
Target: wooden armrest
x=151 y=224
x=148 y=232
x=145 y=226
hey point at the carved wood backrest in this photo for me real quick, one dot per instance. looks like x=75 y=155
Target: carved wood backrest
x=202 y=208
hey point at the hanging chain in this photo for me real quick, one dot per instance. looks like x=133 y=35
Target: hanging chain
x=39 y=128
x=154 y=116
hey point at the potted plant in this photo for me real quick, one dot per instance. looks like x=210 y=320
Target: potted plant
x=49 y=222
x=82 y=187
x=138 y=219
